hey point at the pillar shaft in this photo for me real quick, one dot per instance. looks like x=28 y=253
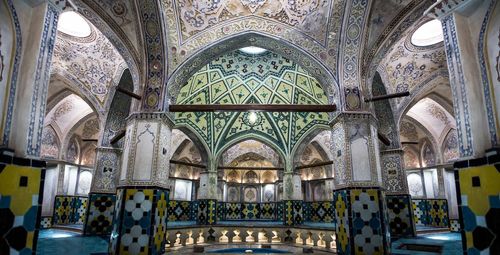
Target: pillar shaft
x=359 y=200
x=140 y=212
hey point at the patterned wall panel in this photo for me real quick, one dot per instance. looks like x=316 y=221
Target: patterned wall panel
x=194 y=210
x=280 y=210
x=250 y=211
x=46 y=222
x=361 y=221
x=207 y=212
x=221 y=211
x=479 y=204
x=100 y=214
x=63 y=210
x=179 y=210
x=319 y=211
x=400 y=220
x=140 y=221
x=268 y=211
x=438 y=213
x=233 y=211
x=20 y=204
x=69 y=210
x=431 y=212
x=79 y=210
x=293 y=212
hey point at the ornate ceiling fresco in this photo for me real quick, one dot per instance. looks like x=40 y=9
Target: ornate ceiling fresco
x=432 y=116
x=250 y=146
x=239 y=78
x=92 y=63
x=313 y=25
x=67 y=113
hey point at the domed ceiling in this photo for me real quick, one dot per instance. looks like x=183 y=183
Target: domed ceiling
x=239 y=78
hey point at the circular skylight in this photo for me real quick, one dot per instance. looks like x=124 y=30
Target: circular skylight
x=253 y=50
x=71 y=23
x=428 y=34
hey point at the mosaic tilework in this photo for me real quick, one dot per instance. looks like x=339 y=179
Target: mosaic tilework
x=319 y=211
x=438 y=213
x=400 y=220
x=250 y=211
x=140 y=222
x=420 y=211
x=268 y=211
x=207 y=212
x=69 y=210
x=194 y=210
x=20 y=205
x=293 y=213
x=280 y=209
x=100 y=214
x=342 y=229
x=479 y=204
x=233 y=211
x=79 y=210
x=179 y=210
x=63 y=210
x=455 y=225
x=221 y=211
x=430 y=212
x=45 y=222
x=361 y=222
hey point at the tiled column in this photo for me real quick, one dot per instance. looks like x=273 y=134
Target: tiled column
x=21 y=196
x=398 y=200
x=293 y=213
x=102 y=196
x=207 y=196
x=359 y=201
x=140 y=219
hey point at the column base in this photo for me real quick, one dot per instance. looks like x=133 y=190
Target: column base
x=399 y=208
x=361 y=221
x=140 y=221
x=101 y=210
x=21 y=197
x=293 y=213
x=207 y=212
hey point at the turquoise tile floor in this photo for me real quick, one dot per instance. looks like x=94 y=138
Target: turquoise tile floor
x=56 y=241
x=451 y=243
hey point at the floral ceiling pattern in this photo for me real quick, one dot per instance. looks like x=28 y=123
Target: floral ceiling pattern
x=92 y=62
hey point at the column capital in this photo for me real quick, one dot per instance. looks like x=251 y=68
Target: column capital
x=393 y=151
x=349 y=116
x=163 y=116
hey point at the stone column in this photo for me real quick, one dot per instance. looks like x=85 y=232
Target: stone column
x=33 y=80
x=398 y=199
x=359 y=198
x=102 y=196
x=207 y=196
x=293 y=199
x=140 y=219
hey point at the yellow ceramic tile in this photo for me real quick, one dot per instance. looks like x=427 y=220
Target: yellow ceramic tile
x=23 y=196
x=477 y=197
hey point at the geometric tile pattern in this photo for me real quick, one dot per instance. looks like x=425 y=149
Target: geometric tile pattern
x=293 y=213
x=319 y=212
x=69 y=210
x=479 y=204
x=268 y=211
x=361 y=222
x=455 y=225
x=400 y=219
x=179 y=210
x=250 y=211
x=140 y=222
x=207 y=212
x=46 y=222
x=233 y=211
x=430 y=212
x=221 y=211
x=280 y=209
x=100 y=214
x=20 y=205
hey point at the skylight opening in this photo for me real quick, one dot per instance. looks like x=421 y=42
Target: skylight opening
x=73 y=24
x=428 y=34
x=253 y=50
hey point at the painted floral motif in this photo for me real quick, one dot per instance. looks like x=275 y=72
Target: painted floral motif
x=409 y=131
x=450 y=145
x=438 y=113
x=62 y=109
x=90 y=128
x=72 y=154
x=428 y=155
x=411 y=159
x=50 y=143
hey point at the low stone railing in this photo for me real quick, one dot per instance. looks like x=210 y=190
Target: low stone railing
x=236 y=234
